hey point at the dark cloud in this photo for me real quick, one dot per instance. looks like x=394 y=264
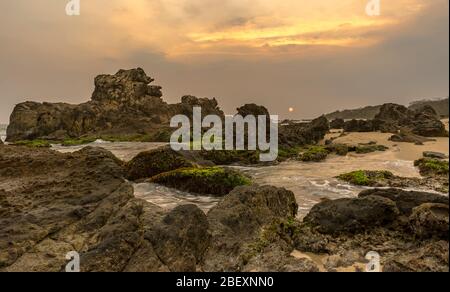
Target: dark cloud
x=40 y=60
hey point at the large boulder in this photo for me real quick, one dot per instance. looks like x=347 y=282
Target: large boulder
x=352 y=215
x=292 y=135
x=216 y=181
x=181 y=238
x=406 y=201
x=52 y=204
x=238 y=222
x=123 y=105
x=150 y=163
x=430 y=220
x=393 y=118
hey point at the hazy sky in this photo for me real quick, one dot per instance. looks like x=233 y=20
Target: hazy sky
x=315 y=56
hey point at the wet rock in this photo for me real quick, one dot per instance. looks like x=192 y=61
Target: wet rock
x=237 y=225
x=381 y=179
x=430 y=221
x=216 y=181
x=407 y=137
x=364 y=149
x=352 y=215
x=150 y=163
x=275 y=257
x=436 y=155
x=292 y=135
x=406 y=201
x=406 y=240
x=181 y=238
x=430 y=167
x=337 y=124
x=339 y=149
x=431 y=257
x=314 y=154
x=54 y=203
x=366 y=177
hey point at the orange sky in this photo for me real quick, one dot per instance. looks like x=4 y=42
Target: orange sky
x=314 y=56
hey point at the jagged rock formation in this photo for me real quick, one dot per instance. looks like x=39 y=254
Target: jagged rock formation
x=441 y=106
x=124 y=104
x=337 y=124
x=53 y=203
x=303 y=134
x=369 y=112
x=409 y=230
x=394 y=118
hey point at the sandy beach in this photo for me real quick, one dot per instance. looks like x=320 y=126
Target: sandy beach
x=397 y=151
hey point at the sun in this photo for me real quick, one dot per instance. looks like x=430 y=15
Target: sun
x=291 y=109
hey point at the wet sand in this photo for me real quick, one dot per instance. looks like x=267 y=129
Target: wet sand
x=397 y=151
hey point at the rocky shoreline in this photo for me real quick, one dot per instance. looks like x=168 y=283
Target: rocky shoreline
x=53 y=203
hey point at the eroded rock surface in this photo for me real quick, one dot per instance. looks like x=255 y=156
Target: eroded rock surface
x=53 y=203
x=393 y=118
x=122 y=105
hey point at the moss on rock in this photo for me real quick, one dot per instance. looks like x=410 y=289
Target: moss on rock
x=34 y=143
x=224 y=157
x=365 y=177
x=77 y=141
x=205 y=181
x=364 y=149
x=432 y=167
x=314 y=153
x=150 y=163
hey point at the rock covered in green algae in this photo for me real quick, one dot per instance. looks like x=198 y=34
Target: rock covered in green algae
x=315 y=154
x=366 y=177
x=432 y=167
x=384 y=178
x=150 y=163
x=216 y=181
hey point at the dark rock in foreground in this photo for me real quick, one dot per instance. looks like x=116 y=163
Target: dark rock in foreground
x=409 y=231
x=248 y=232
x=53 y=203
x=406 y=201
x=352 y=215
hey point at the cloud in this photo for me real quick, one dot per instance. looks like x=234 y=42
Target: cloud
x=315 y=56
